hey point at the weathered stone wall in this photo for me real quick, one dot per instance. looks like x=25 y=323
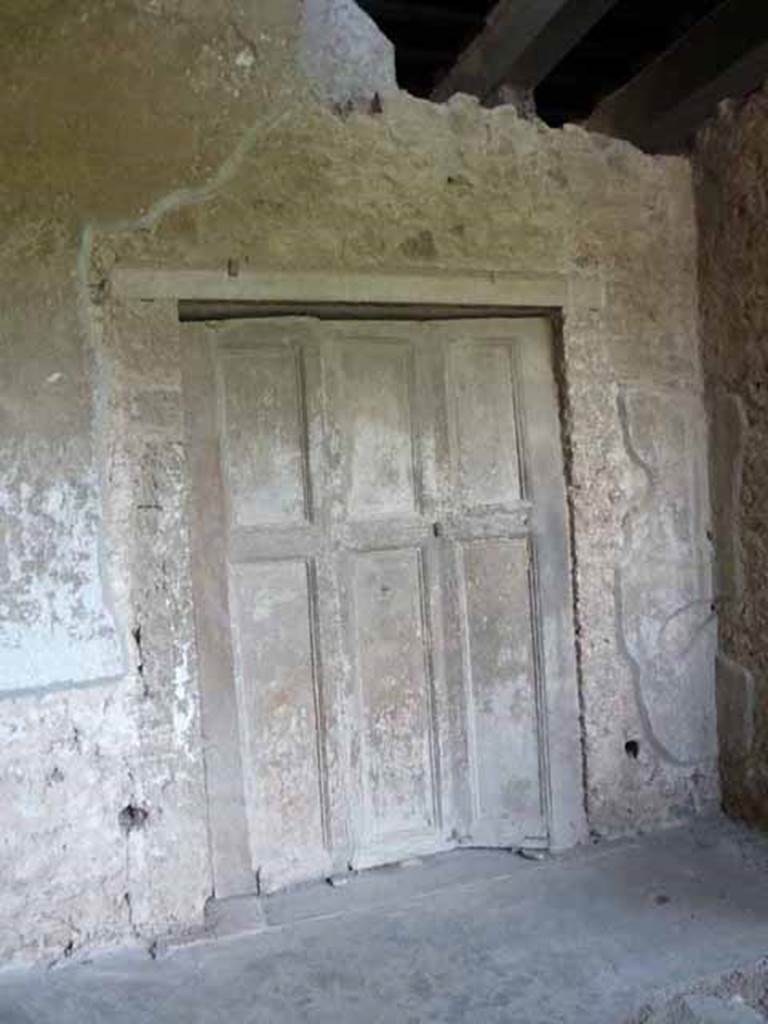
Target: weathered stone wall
x=179 y=134
x=104 y=108
x=732 y=197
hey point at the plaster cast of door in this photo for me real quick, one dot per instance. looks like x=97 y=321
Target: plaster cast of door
x=382 y=592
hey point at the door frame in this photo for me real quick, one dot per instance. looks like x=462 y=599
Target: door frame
x=214 y=294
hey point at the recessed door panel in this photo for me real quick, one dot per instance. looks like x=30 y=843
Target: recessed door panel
x=376 y=429
x=263 y=436
x=391 y=653
x=484 y=428
x=279 y=696
x=500 y=676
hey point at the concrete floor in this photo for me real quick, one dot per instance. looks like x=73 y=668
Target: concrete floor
x=480 y=936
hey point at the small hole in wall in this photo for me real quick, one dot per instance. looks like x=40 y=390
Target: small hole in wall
x=632 y=748
x=132 y=817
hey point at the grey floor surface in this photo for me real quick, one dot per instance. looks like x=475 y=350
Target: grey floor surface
x=476 y=936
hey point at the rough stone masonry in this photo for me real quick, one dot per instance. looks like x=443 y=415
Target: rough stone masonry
x=730 y=162
x=177 y=134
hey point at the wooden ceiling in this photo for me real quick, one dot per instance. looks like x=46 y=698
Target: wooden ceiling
x=646 y=70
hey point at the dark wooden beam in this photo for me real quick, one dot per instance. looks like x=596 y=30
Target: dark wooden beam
x=520 y=44
x=723 y=55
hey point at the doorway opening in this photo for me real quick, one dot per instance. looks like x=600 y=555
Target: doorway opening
x=382 y=589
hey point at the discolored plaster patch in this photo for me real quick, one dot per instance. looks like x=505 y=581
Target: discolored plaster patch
x=55 y=627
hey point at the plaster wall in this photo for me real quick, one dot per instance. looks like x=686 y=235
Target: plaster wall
x=177 y=134
x=731 y=164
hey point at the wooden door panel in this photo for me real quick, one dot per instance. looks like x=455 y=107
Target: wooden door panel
x=263 y=436
x=391 y=644
x=378 y=529
x=484 y=434
x=279 y=696
x=501 y=671
x=488 y=522
x=269 y=411
x=376 y=430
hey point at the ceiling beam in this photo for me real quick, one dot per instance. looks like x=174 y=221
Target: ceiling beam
x=723 y=55
x=521 y=42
